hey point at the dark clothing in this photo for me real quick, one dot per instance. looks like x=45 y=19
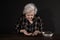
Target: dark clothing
x=23 y=23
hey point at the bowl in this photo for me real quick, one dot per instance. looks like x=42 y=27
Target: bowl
x=47 y=34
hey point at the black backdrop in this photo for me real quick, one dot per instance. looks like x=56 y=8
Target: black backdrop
x=49 y=10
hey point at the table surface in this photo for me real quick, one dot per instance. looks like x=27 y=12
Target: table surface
x=23 y=37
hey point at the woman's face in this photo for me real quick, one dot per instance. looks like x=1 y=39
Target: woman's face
x=30 y=15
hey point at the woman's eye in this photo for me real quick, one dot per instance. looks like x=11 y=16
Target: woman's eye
x=28 y=15
x=31 y=15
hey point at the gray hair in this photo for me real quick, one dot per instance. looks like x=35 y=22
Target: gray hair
x=29 y=7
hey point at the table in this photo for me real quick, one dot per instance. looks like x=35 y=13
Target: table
x=23 y=37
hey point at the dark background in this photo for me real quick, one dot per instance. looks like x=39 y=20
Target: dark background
x=49 y=10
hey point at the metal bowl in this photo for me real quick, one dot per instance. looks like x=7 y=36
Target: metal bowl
x=47 y=34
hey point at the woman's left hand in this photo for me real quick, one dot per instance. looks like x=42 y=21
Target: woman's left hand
x=36 y=32
x=26 y=33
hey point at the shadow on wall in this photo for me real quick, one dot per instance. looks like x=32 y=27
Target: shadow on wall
x=47 y=17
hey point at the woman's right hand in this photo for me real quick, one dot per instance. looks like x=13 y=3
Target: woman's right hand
x=25 y=32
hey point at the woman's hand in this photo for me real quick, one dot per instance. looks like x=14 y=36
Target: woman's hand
x=28 y=34
x=36 y=32
x=25 y=32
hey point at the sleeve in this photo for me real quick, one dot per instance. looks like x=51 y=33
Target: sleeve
x=19 y=25
x=39 y=24
x=17 y=28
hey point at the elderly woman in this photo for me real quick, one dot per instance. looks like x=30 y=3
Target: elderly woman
x=29 y=24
